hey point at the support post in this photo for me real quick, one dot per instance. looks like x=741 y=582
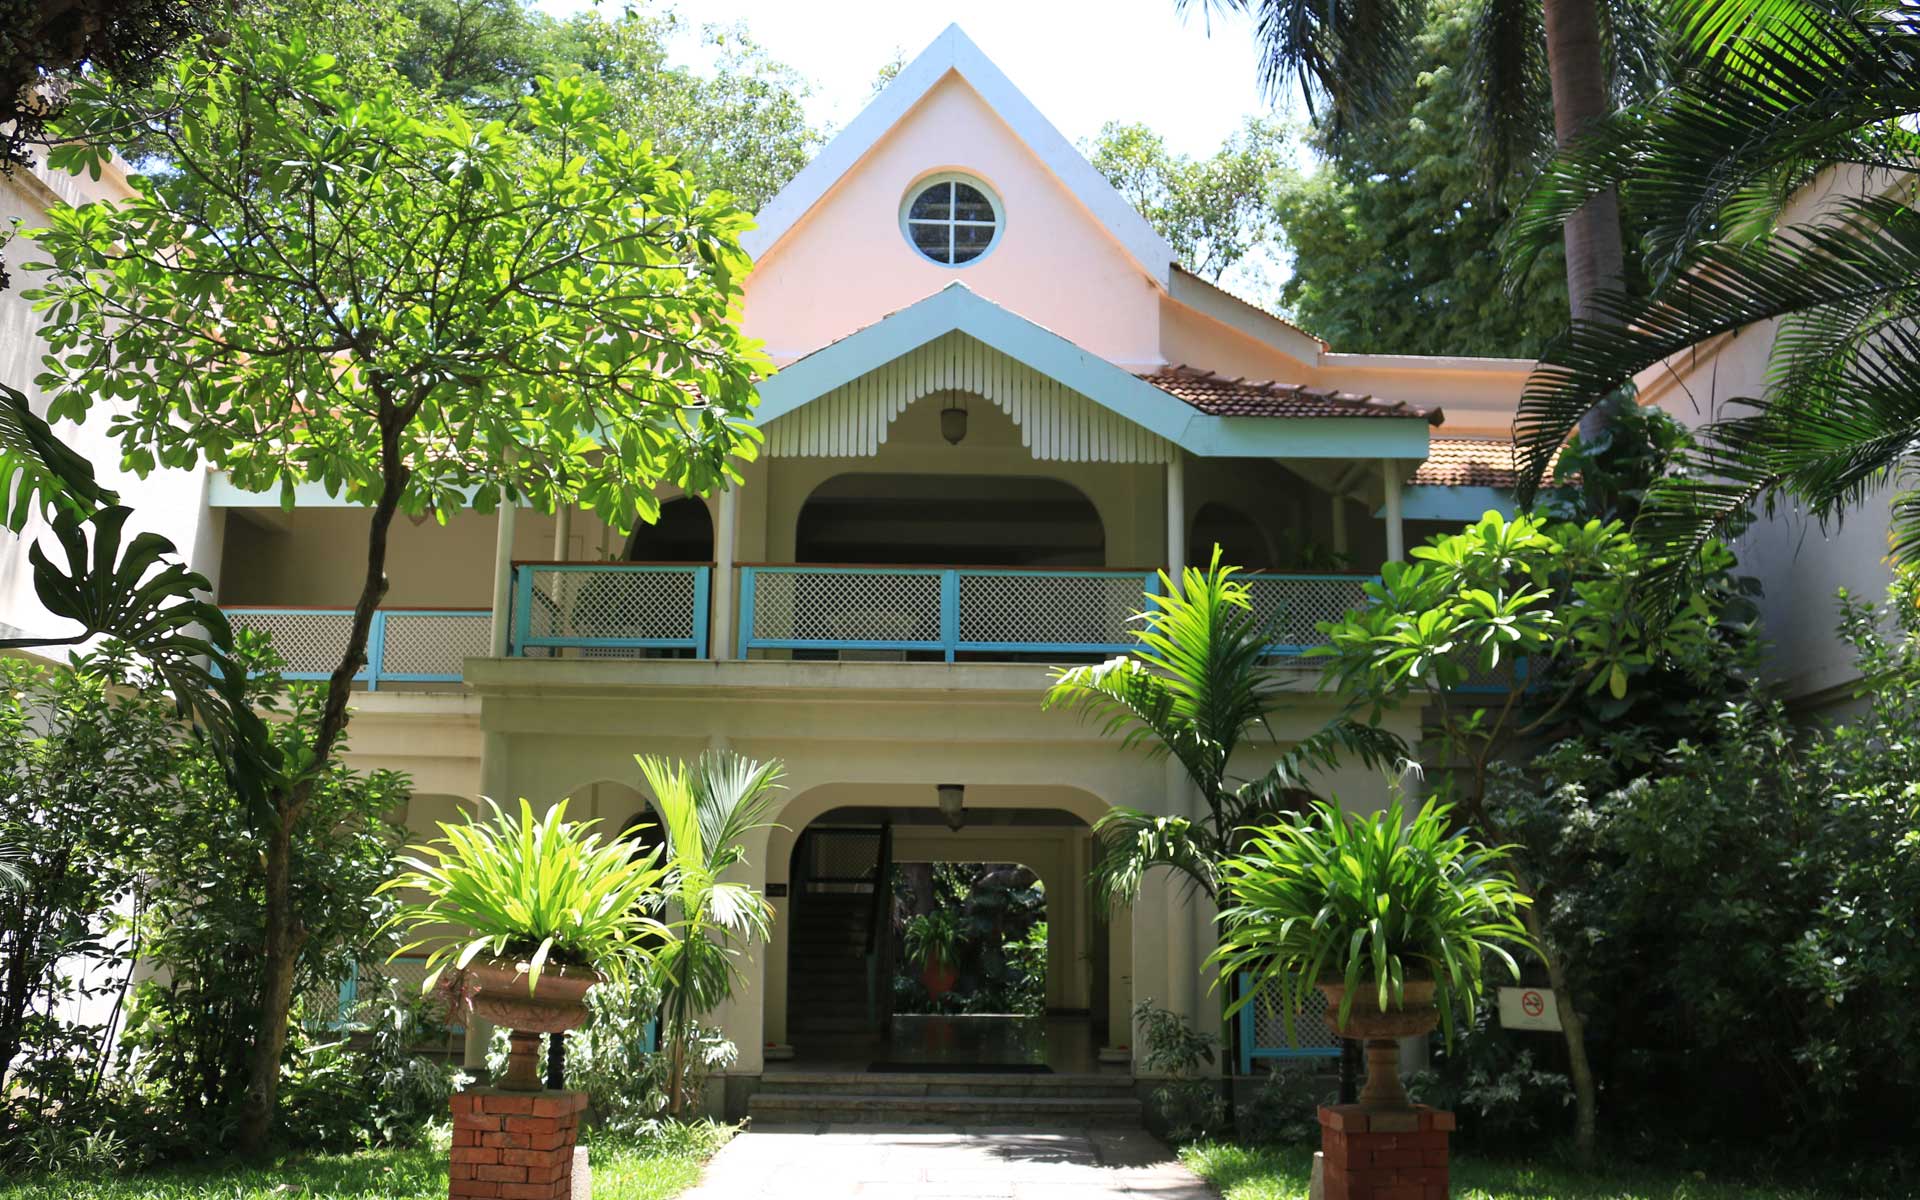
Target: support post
x=1176 y=515
x=721 y=643
x=1396 y=530
x=509 y=512
x=563 y=533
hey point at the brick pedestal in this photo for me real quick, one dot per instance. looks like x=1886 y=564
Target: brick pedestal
x=514 y=1145
x=1384 y=1156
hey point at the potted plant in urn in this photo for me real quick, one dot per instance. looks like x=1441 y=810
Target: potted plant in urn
x=520 y=915
x=933 y=941
x=1394 y=921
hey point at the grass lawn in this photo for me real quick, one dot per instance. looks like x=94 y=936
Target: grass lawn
x=621 y=1171
x=1270 y=1173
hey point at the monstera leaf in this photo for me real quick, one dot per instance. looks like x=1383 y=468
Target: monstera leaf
x=138 y=593
x=36 y=465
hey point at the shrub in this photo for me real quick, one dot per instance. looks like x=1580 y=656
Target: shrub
x=1187 y=1099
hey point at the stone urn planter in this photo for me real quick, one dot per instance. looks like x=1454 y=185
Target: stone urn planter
x=497 y=990
x=1380 y=1032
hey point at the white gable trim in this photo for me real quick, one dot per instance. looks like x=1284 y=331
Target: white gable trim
x=954 y=51
x=957 y=307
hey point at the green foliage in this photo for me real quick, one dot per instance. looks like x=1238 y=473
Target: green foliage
x=608 y=1059
x=133 y=844
x=565 y=378
x=1394 y=235
x=1536 y=614
x=709 y=810
x=86 y=755
x=359 y=1082
x=199 y=919
x=933 y=940
x=539 y=889
x=1198 y=686
x=1505 y=1095
x=1186 y=1100
x=1778 y=95
x=1371 y=901
x=1744 y=903
x=737 y=124
x=1214 y=211
x=1286 y=1109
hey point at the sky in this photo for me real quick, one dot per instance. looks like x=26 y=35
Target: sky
x=1081 y=62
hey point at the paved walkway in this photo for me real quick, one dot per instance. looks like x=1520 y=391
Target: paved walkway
x=920 y=1162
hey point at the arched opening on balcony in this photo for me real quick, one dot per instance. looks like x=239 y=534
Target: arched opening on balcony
x=683 y=534
x=1243 y=543
x=951 y=521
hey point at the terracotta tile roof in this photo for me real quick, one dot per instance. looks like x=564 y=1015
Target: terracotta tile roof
x=1468 y=462
x=1222 y=396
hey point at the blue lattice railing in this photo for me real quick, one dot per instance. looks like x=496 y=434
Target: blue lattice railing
x=1263 y=1029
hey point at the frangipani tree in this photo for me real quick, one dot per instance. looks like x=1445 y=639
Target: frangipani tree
x=1498 y=633
x=708 y=810
x=416 y=311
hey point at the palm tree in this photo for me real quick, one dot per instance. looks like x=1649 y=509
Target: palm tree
x=708 y=810
x=1574 y=58
x=1781 y=93
x=1199 y=685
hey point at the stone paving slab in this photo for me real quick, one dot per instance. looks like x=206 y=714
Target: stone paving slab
x=921 y=1162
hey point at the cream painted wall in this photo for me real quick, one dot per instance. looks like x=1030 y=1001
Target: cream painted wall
x=847 y=264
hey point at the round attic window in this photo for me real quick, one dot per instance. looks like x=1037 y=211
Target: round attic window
x=951 y=219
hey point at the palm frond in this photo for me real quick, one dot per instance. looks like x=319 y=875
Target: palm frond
x=1507 y=74
x=1129 y=843
x=1346 y=57
x=1867 y=252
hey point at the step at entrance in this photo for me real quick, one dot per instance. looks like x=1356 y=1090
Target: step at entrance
x=943 y=1098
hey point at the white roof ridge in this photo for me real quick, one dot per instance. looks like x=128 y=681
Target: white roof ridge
x=953 y=51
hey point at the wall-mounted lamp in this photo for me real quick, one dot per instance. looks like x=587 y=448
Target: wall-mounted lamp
x=953 y=421
x=952 y=797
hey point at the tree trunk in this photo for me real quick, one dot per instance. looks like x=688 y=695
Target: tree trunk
x=1576 y=68
x=1585 y=1096
x=284 y=934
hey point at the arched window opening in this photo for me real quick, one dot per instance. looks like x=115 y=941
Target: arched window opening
x=1241 y=540
x=684 y=533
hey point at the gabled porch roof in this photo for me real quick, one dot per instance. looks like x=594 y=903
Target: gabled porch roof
x=1281 y=430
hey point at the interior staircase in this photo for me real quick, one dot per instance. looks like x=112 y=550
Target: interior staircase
x=859 y=1097
x=829 y=995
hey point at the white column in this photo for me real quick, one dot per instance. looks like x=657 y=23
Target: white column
x=562 y=533
x=1176 y=514
x=720 y=626
x=1396 y=531
x=503 y=574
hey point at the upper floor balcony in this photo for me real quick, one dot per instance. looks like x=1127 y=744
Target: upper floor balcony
x=799 y=612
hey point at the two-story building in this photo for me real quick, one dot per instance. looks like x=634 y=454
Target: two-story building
x=1001 y=407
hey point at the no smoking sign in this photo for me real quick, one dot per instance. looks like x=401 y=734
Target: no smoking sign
x=1528 y=1008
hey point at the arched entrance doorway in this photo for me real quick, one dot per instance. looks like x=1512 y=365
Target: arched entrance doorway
x=683 y=534
x=872 y=887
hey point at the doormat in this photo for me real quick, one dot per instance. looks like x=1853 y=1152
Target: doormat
x=924 y=1068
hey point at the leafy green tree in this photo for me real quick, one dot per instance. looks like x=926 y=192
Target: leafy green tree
x=1214 y=211
x=1394 y=236
x=738 y=126
x=1501 y=633
x=1529 y=60
x=1199 y=686
x=1780 y=95
x=708 y=810
x=410 y=309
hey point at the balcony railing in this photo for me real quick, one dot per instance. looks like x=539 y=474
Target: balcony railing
x=610 y=610
x=954 y=611
x=404 y=645
x=635 y=610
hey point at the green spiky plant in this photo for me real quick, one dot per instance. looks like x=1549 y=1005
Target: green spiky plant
x=708 y=809
x=1370 y=901
x=1199 y=685
x=540 y=889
